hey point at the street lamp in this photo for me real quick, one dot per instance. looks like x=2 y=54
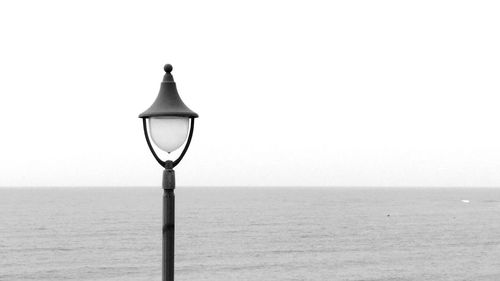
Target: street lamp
x=170 y=123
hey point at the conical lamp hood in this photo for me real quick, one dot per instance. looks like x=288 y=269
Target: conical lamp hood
x=168 y=102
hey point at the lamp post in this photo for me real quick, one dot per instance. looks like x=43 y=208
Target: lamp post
x=170 y=123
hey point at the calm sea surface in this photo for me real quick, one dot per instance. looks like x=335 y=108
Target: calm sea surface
x=252 y=234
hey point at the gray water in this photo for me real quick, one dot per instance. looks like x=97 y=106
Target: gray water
x=252 y=234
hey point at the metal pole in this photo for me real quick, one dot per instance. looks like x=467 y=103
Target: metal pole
x=168 y=222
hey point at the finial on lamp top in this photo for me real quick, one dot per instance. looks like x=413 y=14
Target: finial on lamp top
x=168 y=68
x=168 y=77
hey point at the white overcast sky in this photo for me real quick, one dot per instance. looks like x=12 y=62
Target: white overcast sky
x=289 y=93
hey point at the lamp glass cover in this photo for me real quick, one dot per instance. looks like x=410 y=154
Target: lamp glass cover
x=168 y=133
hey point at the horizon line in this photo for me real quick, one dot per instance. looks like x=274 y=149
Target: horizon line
x=246 y=186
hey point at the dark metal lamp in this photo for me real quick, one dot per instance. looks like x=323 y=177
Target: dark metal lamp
x=170 y=122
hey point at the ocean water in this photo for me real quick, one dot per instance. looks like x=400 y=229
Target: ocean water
x=252 y=234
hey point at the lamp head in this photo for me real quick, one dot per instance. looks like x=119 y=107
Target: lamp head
x=168 y=115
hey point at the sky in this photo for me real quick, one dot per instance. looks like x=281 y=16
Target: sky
x=289 y=93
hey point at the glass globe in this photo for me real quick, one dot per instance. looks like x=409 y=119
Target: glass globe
x=168 y=133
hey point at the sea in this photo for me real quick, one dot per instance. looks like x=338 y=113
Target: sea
x=307 y=233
